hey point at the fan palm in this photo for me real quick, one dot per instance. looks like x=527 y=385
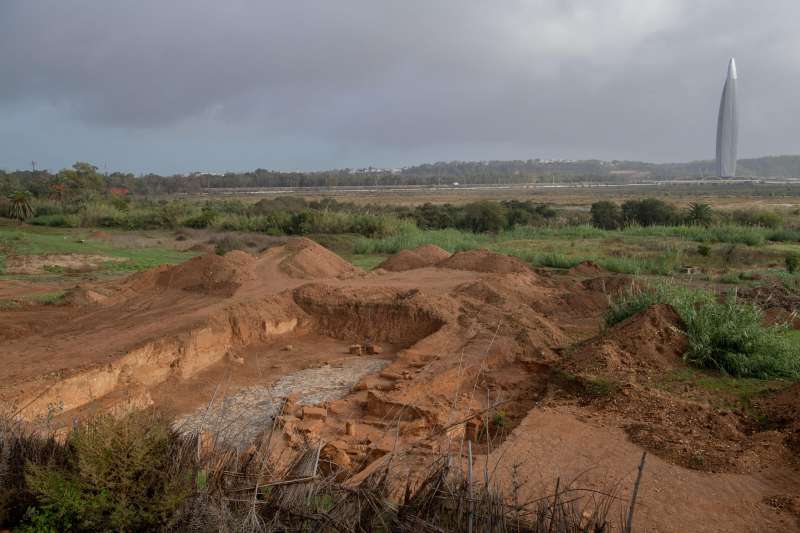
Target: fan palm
x=21 y=207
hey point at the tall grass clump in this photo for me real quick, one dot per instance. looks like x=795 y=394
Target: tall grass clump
x=731 y=337
x=728 y=336
x=409 y=236
x=636 y=299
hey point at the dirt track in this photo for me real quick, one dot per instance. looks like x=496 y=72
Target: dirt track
x=460 y=336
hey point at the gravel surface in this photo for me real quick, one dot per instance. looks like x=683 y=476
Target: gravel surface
x=239 y=418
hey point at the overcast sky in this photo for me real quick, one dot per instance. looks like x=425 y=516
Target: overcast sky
x=173 y=86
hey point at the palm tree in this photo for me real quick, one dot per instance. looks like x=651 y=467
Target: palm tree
x=700 y=214
x=21 y=207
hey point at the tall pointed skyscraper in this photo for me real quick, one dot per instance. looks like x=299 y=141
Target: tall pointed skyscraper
x=728 y=126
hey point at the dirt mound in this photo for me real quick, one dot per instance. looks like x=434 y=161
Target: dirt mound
x=767 y=296
x=783 y=409
x=485 y=261
x=202 y=247
x=82 y=295
x=587 y=268
x=778 y=315
x=609 y=284
x=651 y=339
x=308 y=260
x=210 y=274
x=421 y=257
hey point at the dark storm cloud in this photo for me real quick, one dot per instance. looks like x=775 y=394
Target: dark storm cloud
x=395 y=80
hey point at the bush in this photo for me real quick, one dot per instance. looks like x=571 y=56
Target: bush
x=701 y=214
x=792 y=262
x=752 y=217
x=101 y=214
x=704 y=250
x=784 y=235
x=731 y=337
x=483 y=216
x=407 y=235
x=227 y=243
x=56 y=221
x=143 y=218
x=203 y=220
x=120 y=475
x=606 y=215
x=727 y=336
x=649 y=212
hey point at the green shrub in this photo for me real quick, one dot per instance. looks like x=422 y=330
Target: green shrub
x=731 y=337
x=483 y=216
x=99 y=214
x=607 y=215
x=784 y=235
x=649 y=212
x=407 y=235
x=729 y=277
x=143 y=218
x=704 y=250
x=753 y=217
x=121 y=475
x=56 y=221
x=699 y=213
x=792 y=261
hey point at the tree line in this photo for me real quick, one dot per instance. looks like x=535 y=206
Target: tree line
x=82 y=175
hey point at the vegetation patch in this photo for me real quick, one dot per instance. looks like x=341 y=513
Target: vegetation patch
x=728 y=336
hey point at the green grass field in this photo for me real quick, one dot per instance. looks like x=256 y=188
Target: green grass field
x=32 y=240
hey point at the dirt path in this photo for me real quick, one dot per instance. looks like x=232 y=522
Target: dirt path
x=555 y=443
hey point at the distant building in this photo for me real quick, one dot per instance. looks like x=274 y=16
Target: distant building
x=728 y=126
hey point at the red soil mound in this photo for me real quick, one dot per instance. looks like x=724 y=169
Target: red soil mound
x=651 y=339
x=307 y=259
x=210 y=274
x=779 y=315
x=784 y=410
x=485 y=261
x=609 y=284
x=587 y=268
x=421 y=257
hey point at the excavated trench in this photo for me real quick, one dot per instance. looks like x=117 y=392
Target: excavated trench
x=394 y=317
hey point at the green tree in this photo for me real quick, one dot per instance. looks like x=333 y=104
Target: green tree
x=21 y=208
x=606 y=215
x=80 y=181
x=700 y=214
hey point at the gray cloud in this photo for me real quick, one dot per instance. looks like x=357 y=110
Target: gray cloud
x=318 y=83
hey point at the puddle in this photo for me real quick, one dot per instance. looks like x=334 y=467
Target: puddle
x=239 y=418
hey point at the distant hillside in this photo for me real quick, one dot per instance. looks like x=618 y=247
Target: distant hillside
x=539 y=170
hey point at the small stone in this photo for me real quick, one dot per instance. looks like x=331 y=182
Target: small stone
x=350 y=428
x=355 y=349
x=314 y=413
x=288 y=348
